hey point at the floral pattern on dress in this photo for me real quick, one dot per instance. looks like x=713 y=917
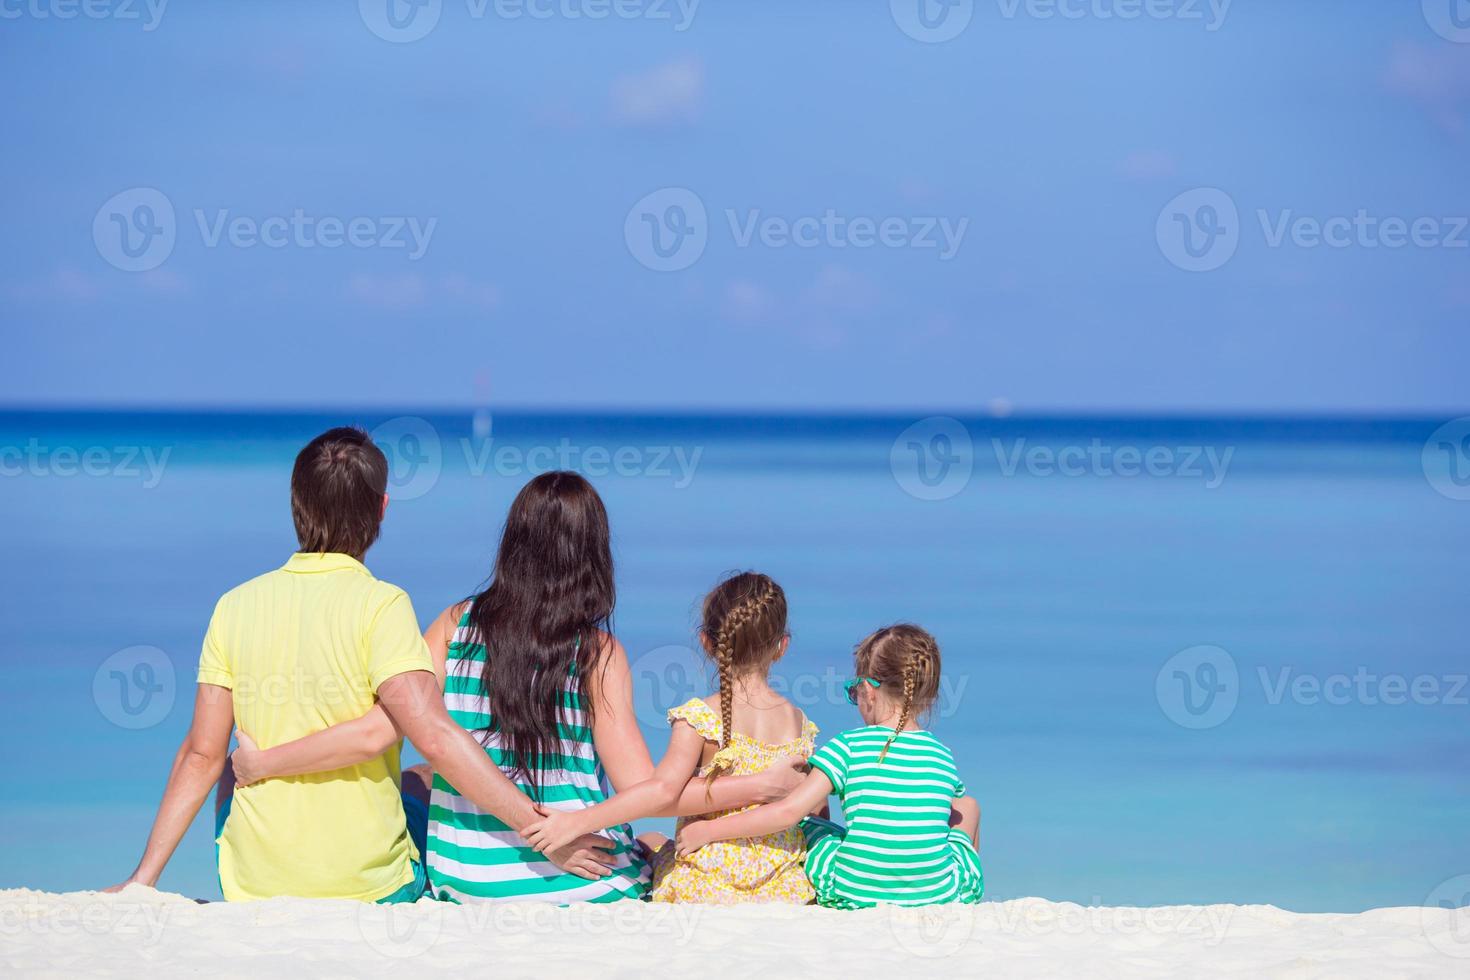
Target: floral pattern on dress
x=749 y=869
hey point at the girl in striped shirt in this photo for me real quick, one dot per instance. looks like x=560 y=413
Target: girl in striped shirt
x=912 y=834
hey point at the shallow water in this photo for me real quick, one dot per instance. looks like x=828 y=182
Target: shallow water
x=1313 y=558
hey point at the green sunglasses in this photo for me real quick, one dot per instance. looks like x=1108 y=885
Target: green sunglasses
x=850 y=687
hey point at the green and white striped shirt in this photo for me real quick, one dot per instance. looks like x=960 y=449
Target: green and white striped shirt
x=472 y=854
x=898 y=846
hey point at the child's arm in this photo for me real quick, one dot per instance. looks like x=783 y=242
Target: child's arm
x=761 y=820
x=652 y=796
x=733 y=792
x=344 y=744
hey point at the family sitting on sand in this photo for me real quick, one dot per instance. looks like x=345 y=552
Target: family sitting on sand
x=521 y=701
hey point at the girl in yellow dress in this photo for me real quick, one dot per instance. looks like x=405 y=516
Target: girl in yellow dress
x=744 y=727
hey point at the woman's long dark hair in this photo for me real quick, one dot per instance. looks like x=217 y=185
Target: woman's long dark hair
x=540 y=615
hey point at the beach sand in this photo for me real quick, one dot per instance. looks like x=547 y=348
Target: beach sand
x=146 y=933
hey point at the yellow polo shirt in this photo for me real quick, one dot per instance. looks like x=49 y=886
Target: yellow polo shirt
x=303 y=648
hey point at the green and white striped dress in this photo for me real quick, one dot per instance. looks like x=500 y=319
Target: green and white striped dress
x=475 y=857
x=898 y=846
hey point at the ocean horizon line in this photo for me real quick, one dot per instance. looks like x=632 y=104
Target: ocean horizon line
x=716 y=414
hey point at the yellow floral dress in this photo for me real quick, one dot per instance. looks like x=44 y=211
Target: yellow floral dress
x=750 y=869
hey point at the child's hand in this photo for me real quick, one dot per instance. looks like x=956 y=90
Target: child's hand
x=782 y=777
x=553 y=831
x=691 y=838
x=248 y=760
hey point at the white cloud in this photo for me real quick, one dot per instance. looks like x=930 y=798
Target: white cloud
x=1437 y=77
x=839 y=289
x=747 y=302
x=65 y=283
x=1147 y=165
x=412 y=291
x=394 y=292
x=671 y=94
x=482 y=295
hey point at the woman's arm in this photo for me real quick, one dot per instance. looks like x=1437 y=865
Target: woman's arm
x=560 y=827
x=344 y=744
x=761 y=820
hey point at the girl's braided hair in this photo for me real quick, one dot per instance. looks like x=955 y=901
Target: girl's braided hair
x=903 y=657
x=744 y=620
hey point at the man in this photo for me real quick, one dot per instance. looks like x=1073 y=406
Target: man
x=302 y=648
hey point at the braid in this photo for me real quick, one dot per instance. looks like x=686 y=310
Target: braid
x=917 y=661
x=740 y=615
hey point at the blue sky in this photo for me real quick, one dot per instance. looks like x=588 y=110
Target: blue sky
x=520 y=149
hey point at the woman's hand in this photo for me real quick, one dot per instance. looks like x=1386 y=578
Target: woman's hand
x=586 y=857
x=554 y=830
x=248 y=761
x=691 y=838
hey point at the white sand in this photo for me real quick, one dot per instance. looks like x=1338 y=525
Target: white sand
x=145 y=933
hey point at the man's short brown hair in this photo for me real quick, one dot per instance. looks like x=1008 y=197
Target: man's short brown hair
x=337 y=488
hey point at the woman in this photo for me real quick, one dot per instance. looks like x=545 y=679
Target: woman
x=530 y=666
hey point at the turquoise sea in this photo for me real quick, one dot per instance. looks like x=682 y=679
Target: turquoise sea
x=1214 y=660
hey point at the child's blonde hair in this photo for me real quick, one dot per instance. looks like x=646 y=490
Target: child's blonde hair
x=744 y=620
x=902 y=657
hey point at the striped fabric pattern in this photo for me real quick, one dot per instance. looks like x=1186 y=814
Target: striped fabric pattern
x=473 y=856
x=898 y=846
